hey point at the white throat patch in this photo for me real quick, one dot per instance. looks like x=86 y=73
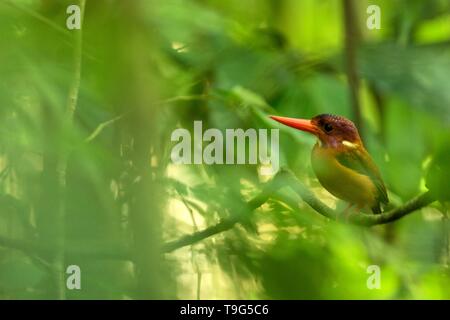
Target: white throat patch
x=349 y=144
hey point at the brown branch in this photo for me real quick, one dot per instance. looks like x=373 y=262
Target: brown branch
x=361 y=219
x=282 y=179
x=408 y=207
x=195 y=237
x=225 y=224
x=309 y=197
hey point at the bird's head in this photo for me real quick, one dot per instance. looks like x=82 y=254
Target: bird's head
x=332 y=131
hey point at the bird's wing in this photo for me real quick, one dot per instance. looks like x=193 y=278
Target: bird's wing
x=359 y=160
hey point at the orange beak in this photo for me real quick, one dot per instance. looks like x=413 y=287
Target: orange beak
x=301 y=124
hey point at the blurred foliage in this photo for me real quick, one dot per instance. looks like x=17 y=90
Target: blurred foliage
x=149 y=67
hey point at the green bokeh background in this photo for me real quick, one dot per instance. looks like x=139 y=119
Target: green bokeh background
x=98 y=189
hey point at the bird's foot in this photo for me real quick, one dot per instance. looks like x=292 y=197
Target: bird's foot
x=345 y=213
x=349 y=211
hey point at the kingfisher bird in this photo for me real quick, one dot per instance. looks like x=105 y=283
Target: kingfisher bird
x=341 y=163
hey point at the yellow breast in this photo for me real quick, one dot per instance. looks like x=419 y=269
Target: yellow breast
x=342 y=182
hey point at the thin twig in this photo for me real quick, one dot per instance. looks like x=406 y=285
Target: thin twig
x=101 y=127
x=309 y=197
x=59 y=255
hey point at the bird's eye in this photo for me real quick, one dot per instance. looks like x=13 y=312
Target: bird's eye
x=328 y=127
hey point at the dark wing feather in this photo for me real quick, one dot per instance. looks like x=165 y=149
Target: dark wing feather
x=359 y=160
